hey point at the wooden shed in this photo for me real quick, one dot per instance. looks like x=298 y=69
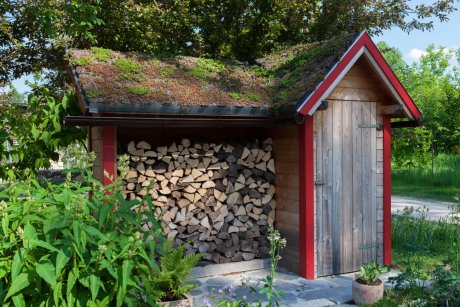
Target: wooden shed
x=301 y=140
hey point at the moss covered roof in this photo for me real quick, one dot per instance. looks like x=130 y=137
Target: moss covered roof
x=275 y=84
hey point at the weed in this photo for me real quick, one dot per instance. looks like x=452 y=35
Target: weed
x=235 y=95
x=139 y=90
x=93 y=93
x=102 y=54
x=253 y=96
x=259 y=71
x=210 y=65
x=198 y=72
x=283 y=96
x=83 y=61
x=167 y=72
x=128 y=66
x=287 y=82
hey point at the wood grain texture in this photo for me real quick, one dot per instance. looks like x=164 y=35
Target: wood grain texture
x=285 y=153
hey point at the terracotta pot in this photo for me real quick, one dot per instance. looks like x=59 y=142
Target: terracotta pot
x=367 y=294
x=185 y=302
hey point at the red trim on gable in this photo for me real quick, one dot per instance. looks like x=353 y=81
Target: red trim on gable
x=365 y=41
x=306 y=201
x=109 y=160
x=386 y=190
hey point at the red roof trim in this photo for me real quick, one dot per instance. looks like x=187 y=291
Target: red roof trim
x=363 y=41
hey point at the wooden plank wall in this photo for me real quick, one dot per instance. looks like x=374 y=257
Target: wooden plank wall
x=96 y=147
x=359 y=84
x=286 y=154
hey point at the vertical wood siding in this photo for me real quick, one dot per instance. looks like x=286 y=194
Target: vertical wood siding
x=349 y=175
x=286 y=155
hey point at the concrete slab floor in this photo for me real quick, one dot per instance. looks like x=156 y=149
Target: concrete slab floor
x=298 y=292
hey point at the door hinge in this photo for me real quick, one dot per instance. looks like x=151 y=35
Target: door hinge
x=319 y=183
x=378 y=126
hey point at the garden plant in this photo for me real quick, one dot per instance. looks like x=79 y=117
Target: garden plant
x=82 y=244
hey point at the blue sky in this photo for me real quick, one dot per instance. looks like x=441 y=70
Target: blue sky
x=412 y=45
x=445 y=34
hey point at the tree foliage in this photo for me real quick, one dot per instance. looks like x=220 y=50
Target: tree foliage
x=433 y=82
x=33 y=33
x=31 y=134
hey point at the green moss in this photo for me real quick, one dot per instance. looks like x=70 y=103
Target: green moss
x=287 y=82
x=260 y=71
x=129 y=70
x=198 y=72
x=155 y=63
x=167 y=72
x=83 y=61
x=253 y=96
x=128 y=66
x=235 y=95
x=283 y=96
x=102 y=54
x=210 y=65
x=139 y=90
x=93 y=93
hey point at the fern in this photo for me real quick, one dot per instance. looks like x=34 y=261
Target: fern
x=174 y=270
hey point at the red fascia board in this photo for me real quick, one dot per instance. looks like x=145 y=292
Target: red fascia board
x=365 y=41
x=306 y=201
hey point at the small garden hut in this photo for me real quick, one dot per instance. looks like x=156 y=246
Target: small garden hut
x=301 y=139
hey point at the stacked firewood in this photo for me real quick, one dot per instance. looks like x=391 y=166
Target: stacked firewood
x=218 y=198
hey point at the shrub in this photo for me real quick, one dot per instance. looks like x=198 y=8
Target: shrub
x=61 y=247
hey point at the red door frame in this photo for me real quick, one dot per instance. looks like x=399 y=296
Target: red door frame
x=306 y=200
x=109 y=155
x=387 y=190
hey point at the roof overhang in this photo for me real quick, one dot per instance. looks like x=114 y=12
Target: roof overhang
x=363 y=46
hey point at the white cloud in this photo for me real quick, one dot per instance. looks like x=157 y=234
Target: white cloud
x=415 y=54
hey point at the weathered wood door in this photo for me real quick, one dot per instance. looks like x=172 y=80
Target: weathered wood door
x=345 y=185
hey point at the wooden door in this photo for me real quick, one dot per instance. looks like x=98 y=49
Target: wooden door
x=345 y=185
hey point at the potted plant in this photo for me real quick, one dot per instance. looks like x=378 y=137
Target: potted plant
x=367 y=287
x=171 y=279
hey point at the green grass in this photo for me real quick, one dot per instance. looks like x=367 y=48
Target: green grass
x=442 y=182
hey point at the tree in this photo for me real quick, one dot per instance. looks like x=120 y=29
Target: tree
x=33 y=33
x=31 y=134
x=433 y=82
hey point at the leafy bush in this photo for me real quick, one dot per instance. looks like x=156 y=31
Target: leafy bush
x=80 y=244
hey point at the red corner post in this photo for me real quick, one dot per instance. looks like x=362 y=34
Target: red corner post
x=109 y=157
x=306 y=201
x=386 y=190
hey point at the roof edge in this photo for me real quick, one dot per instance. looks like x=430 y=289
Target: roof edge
x=166 y=109
x=362 y=43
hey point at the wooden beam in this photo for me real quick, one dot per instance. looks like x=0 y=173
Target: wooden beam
x=306 y=200
x=407 y=124
x=395 y=109
x=386 y=190
x=109 y=156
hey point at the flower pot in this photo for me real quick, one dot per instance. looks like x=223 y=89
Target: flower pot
x=187 y=301
x=367 y=294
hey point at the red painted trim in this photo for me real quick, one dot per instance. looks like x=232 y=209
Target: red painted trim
x=306 y=201
x=365 y=41
x=109 y=159
x=387 y=190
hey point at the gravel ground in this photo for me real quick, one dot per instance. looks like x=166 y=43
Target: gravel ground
x=436 y=209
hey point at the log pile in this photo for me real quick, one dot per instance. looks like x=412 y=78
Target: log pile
x=219 y=198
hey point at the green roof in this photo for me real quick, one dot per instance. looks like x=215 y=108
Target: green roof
x=140 y=82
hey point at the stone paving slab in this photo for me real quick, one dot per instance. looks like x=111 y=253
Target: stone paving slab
x=299 y=292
